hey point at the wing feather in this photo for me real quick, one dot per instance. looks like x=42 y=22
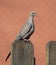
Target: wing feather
x=25 y=29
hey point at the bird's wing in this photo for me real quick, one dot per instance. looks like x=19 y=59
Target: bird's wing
x=25 y=29
x=29 y=33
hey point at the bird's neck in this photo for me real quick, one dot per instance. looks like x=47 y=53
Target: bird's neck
x=31 y=19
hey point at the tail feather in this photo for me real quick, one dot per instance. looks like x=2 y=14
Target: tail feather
x=17 y=38
x=8 y=56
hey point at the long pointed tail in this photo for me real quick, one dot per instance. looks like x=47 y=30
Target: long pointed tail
x=8 y=56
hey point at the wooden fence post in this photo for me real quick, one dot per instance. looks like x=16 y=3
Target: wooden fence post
x=22 y=53
x=51 y=53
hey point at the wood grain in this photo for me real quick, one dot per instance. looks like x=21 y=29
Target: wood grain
x=22 y=53
x=51 y=53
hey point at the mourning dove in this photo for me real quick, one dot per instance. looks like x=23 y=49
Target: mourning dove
x=26 y=31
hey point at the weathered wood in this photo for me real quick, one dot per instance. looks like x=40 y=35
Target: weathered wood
x=51 y=53
x=22 y=53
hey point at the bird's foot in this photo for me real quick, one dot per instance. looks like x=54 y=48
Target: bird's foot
x=26 y=40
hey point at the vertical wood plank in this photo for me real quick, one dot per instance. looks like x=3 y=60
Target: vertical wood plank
x=22 y=53
x=51 y=53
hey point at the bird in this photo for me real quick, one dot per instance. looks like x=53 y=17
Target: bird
x=27 y=30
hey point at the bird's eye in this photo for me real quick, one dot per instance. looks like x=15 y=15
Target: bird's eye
x=33 y=13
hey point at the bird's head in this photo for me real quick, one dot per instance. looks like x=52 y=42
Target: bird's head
x=33 y=13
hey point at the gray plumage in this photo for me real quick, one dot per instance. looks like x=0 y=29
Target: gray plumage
x=26 y=31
